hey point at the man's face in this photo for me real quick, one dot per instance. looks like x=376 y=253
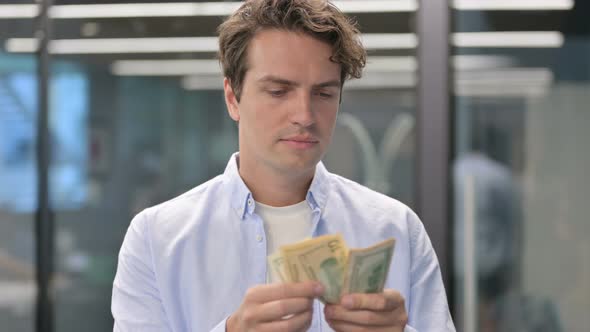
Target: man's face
x=289 y=102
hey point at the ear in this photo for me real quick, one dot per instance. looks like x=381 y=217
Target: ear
x=230 y=100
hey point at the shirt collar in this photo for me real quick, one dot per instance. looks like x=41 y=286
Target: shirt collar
x=241 y=198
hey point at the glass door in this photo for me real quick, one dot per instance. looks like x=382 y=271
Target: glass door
x=521 y=95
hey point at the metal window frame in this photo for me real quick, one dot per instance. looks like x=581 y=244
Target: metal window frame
x=434 y=121
x=44 y=221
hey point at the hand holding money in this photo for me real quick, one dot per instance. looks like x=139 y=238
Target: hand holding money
x=277 y=307
x=384 y=311
x=328 y=260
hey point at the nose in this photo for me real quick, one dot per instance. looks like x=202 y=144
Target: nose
x=301 y=112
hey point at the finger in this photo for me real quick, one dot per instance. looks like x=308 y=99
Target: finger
x=386 y=301
x=359 y=317
x=275 y=310
x=299 y=322
x=274 y=292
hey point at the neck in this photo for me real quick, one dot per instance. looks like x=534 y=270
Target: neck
x=271 y=188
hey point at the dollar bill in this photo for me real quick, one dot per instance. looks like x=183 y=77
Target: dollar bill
x=366 y=269
x=276 y=264
x=320 y=259
x=328 y=260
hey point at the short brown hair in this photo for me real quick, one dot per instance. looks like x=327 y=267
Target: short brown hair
x=318 y=18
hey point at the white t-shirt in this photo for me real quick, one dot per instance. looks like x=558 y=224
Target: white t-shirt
x=284 y=225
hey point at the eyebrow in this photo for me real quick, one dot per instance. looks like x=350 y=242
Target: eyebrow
x=282 y=81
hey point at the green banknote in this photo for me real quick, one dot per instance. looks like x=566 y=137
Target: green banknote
x=328 y=260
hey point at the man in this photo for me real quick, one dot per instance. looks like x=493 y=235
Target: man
x=198 y=262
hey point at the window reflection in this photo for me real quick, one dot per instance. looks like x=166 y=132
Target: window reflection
x=68 y=142
x=520 y=188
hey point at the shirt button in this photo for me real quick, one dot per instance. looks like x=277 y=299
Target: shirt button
x=249 y=202
x=259 y=238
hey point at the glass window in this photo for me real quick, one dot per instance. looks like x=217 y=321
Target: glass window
x=374 y=139
x=18 y=174
x=147 y=122
x=521 y=90
x=136 y=138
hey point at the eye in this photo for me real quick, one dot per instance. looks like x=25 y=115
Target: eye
x=324 y=94
x=277 y=93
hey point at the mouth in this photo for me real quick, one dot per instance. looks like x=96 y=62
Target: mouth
x=300 y=142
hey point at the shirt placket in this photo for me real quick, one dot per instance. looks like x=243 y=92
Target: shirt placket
x=317 y=312
x=257 y=239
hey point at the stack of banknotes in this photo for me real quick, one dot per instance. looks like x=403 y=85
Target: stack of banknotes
x=328 y=260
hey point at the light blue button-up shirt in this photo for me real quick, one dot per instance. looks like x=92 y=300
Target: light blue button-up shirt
x=186 y=264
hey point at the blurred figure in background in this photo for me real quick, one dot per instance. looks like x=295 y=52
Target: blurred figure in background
x=497 y=239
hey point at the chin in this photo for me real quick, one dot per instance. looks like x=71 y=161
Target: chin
x=300 y=163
